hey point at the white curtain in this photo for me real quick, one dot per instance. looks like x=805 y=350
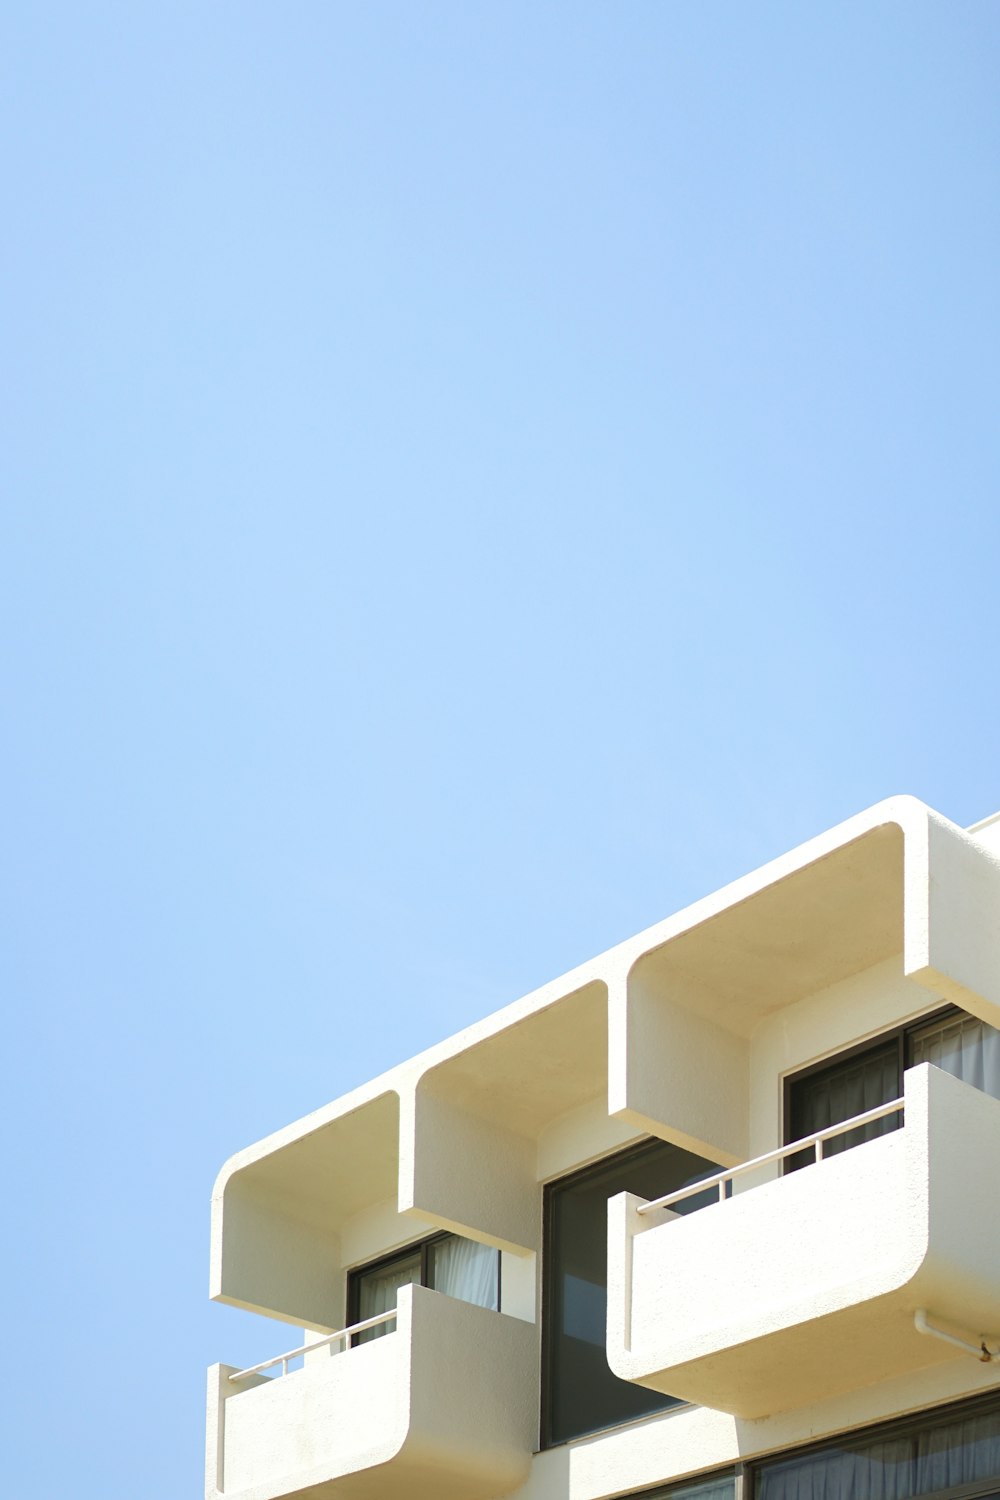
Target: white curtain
x=466 y=1270
x=964 y=1047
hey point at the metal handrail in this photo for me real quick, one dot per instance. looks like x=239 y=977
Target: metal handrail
x=331 y=1338
x=721 y=1179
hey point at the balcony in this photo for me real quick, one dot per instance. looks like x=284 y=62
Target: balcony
x=811 y=1284
x=444 y=1406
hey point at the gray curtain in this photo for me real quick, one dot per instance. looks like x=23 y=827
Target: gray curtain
x=699 y=1489
x=964 y=1047
x=874 y=1471
x=378 y=1295
x=906 y=1467
x=709 y=1489
x=843 y=1091
x=965 y=1450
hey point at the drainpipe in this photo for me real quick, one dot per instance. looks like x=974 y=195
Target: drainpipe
x=923 y=1324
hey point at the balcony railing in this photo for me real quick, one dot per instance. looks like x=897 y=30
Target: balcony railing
x=343 y=1336
x=721 y=1180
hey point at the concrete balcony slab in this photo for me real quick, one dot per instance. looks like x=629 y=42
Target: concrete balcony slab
x=808 y=1285
x=444 y=1407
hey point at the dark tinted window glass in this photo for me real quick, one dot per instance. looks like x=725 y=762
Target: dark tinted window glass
x=375 y=1291
x=937 y=1455
x=581 y=1393
x=844 y=1089
x=721 y=1488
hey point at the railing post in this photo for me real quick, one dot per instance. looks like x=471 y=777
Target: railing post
x=816 y=1140
x=344 y=1336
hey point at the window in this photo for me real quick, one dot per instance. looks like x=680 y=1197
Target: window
x=447 y=1263
x=872 y=1074
x=579 y=1393
x=720 y=1487
x=949 y=1454
x=945 y=1454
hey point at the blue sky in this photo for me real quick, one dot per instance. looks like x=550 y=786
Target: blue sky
x=475 y=479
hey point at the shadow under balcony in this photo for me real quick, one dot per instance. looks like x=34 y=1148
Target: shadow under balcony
x=443 y=1406
x=811 y=1284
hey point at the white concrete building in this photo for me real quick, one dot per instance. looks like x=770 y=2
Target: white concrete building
x=496 y=1303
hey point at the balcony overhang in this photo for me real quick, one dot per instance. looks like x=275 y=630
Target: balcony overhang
x=897 y=882
x=829 y=917
x=471 y=1125
x=807 y=1286
x=444 y=1408
x=323 y=1175
x=549 y=1060
x=897 y=878
x=448 y=1142
x=659 y=1026
x=278 y=1208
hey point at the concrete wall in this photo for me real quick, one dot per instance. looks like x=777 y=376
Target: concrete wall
x=674 y=1073
x=279 y=1265
x=466 y=1174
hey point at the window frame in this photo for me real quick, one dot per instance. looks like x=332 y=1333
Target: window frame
x=404 y=1252
x=747 y=1473
x=902 y=1426
x=900 y=1034
x=677 y=1489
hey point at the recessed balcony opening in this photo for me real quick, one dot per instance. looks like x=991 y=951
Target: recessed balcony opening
x=786 y=938
x=524 y=1076
x=281 y=1215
